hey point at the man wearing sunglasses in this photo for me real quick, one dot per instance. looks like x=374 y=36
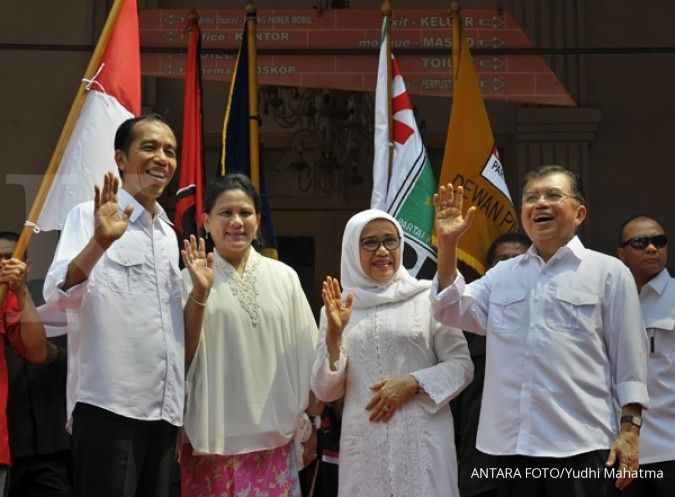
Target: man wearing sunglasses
x=643 y=247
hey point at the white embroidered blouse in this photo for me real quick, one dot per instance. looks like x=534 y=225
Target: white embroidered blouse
x=248 y=384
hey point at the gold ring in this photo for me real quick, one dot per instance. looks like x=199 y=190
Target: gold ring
x=385 y=409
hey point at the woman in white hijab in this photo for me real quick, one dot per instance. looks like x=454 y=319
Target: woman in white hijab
x=396 y=367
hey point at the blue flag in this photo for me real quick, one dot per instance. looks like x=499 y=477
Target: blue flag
x=235 y=155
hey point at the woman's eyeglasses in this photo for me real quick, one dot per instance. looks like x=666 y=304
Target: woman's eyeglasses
x=642 y=242
x=371 y=244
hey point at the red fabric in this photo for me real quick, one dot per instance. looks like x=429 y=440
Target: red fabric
x=10 y=330
x=188 y=217
x=121 y=75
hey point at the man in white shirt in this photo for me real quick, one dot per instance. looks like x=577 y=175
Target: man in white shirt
x=564 y=346
x=643 y=247
x=116 y=273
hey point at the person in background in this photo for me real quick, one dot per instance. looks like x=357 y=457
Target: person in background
x=564 y=345
x=21 y=328
x=36 y=413
x=250 y=340
x=395 y=365
x=466 y=406
x=643 y=247
x=116 y=273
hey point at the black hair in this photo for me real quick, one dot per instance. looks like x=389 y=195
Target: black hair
x=12 y=236
x=575 y=180
x=234 y=181
x=506 y=238
x=124 y=136
x=231 y=181
x=640 y=217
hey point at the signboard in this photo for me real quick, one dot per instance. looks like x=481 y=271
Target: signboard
x=338 y=50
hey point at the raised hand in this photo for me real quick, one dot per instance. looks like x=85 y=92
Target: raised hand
x=199 y=265
x=449 y=222
x=338 y=310
x=109 y=223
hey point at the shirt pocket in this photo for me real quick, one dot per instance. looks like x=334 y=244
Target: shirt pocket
x=575 y=310
x=661 y=333
x=508 y=309
x=124 y=270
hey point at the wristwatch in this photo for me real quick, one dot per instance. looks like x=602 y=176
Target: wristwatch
x=632 y=419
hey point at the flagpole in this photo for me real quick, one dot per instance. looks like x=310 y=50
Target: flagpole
x=66 y=131
x=254 y=139
x=456 y=20
x=387 y=11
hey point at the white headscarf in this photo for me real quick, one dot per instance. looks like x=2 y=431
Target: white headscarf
x=368 y=292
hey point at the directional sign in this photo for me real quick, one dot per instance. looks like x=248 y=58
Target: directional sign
x=521 y=78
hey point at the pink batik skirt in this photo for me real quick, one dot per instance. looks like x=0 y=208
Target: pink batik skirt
x=267 y=473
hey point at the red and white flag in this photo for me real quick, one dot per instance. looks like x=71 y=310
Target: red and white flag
x=114 y=95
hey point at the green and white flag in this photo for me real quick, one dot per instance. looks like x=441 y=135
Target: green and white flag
x=406 y=194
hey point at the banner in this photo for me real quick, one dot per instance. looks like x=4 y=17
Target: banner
x=190 y=197
x=236 y=154
x=114 y=95
x=471 y=160
x=405 y=192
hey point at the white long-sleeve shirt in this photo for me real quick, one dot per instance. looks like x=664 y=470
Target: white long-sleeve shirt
x=126 y=342
x=565 y=345
x=657 y=436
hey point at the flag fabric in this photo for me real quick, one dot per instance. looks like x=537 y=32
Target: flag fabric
x=114 y=95
x=236 y=156
x=407 y=192
x=189 y=197
x=471 y=160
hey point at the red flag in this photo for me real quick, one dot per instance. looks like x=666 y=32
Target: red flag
x=114 y=95
x=188 y=218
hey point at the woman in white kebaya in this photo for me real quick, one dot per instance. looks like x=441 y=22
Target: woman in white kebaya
x=396 y=367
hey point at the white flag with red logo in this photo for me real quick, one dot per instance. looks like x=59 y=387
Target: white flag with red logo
x=406 y=193
x=114 y=95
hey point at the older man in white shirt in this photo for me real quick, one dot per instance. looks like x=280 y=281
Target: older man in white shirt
x=643 y=247
x=116 y=273
x=564 y=346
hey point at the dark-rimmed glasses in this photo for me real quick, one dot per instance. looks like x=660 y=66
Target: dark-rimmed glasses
x=371 y=244
x=642 y=242
x=550 y=196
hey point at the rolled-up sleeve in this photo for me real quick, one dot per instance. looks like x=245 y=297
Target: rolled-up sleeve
x=627 y=341
x=461 y=305
x=77 y=231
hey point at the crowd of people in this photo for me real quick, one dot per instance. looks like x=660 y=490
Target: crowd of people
x=558 y=363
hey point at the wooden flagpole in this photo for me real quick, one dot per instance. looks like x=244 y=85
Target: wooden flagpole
x=254 y=137
x=66 y=132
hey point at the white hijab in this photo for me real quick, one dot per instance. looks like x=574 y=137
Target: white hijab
x=368 y=292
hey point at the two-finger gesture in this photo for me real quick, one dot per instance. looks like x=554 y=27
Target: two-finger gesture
x=449 y=221
x=109 y=223
x=200 y=266
x=338 y=309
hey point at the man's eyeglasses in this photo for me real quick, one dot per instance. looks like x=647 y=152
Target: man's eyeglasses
x=642 y=242
x=550 y=196
x=371 y=244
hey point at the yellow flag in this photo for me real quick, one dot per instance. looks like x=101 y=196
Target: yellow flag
x=471 y=160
